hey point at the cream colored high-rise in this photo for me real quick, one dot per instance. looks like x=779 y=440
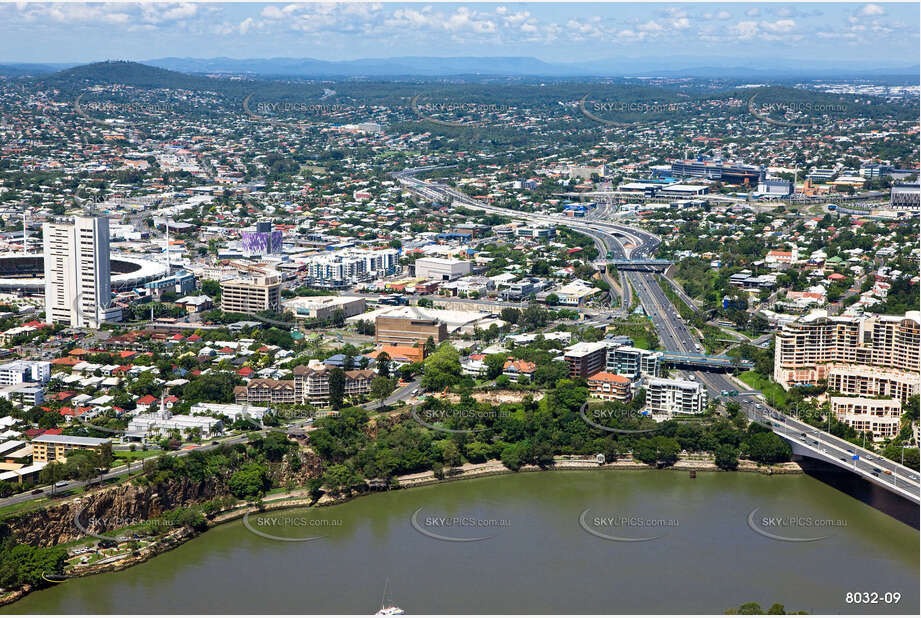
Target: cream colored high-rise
x=819 y=347
x=78 y=289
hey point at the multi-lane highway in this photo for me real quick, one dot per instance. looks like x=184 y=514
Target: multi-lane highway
x=676 y=337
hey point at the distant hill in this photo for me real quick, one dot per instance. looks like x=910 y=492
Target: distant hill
x=128 y=73
x=422 y=66
x=370 y=67
x=25 y=69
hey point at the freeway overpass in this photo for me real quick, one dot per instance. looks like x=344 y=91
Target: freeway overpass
x=703 y=361
x=649 y=265
x=677 y=337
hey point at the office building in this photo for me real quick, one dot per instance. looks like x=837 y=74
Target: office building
x=810 y=349
x=78 y=288
x=905 y=197
x=324 y=307
x=586 y=358
x=715 y=169
x=181 y=282
x=881 y=417
x=47 y=448
x=775 y=187
x=875 y=170
x=673 y=397
x=539 y=232
x=441 y=269
x=259 y=293
x=261 y=240
x=409 y=327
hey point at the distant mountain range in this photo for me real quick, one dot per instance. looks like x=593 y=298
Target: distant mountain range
x=430 y=67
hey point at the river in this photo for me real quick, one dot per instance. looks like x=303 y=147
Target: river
x=548 y=546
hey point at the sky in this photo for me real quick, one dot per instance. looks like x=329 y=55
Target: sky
x=883 y=33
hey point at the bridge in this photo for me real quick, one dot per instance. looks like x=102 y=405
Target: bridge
x=807 y=441
x=703 y=361
x=645 y=265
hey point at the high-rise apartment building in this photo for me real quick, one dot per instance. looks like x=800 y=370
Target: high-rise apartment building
x=350 y=266
x=671 y=397
x=819 y=347
x=78 y=289
x=633 y=362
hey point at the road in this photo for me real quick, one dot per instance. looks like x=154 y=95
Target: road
x=112 y=473
x=401 y=394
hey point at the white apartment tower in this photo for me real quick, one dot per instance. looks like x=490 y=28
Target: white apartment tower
x=78 y=289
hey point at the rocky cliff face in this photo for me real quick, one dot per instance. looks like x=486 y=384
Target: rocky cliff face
x=109 y=509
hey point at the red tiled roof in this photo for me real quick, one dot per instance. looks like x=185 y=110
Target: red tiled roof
x=604 y=376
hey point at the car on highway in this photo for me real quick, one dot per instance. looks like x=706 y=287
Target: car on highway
x=61 y=484
x=36 y=492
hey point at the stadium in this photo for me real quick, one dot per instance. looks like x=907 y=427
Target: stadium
x=25 y=274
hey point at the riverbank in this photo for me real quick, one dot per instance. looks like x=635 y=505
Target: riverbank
x=301 y=498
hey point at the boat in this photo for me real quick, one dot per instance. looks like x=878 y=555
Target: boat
x=388 y=610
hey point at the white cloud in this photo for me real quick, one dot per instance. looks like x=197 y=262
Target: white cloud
x=650 y=26
x=781 y=25
x=745 y=29
x=872 y=9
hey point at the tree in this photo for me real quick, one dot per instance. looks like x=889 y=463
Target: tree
x=511 y=457
x=22 y=564
x=342 y=478
x=381 y=388
x=450 y=454
x=495 y=364
x=429 y=346
x=49 y=420
x=534 y=316
x=553 y=299
x=442 y=368
x=52 y=473
x=510 y=315
x=659 y=450
x=210 y=287
x=766 y=447
x=336 y=388
x=383 y=365
x=726 y=458
x=250 y=482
